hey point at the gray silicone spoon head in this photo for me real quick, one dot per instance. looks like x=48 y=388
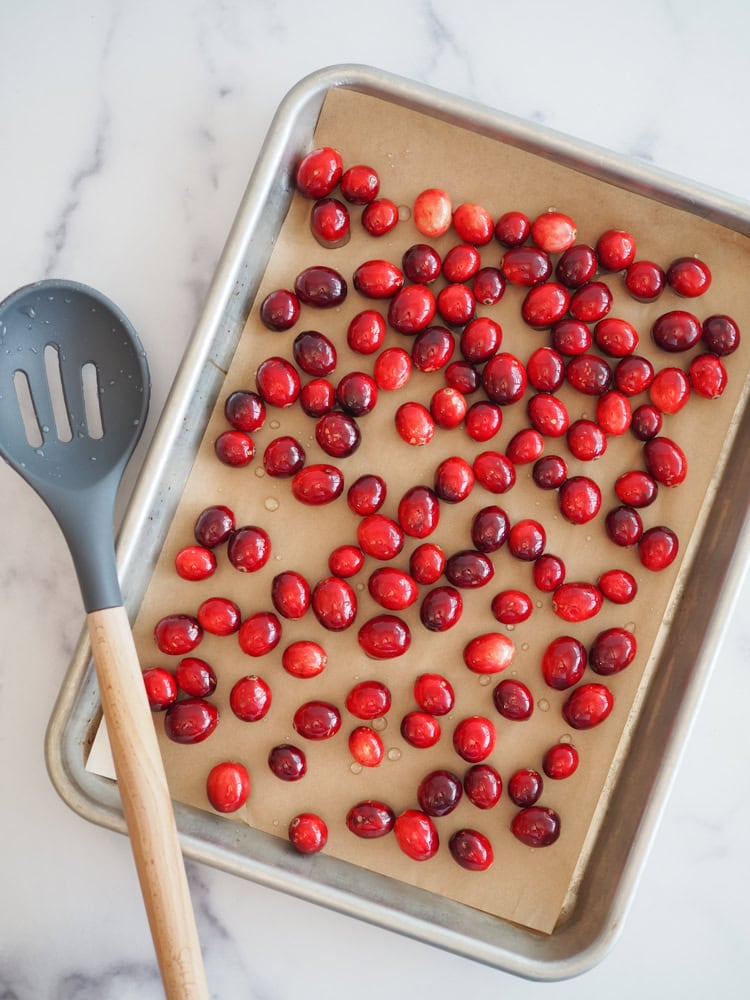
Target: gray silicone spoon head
x=74 y=394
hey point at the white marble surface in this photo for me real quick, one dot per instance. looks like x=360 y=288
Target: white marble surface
x=128 y=133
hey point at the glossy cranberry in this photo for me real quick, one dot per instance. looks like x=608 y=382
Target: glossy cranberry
x=414 y=424
x=420 y=729
x=426 y=563
x=259 y=633
x=613 y=413
x=545 y=369
x=526 y=539
x=278 y=382
x=612 y=650
x=320 y=286
x=665 y=461
x=161 y=688
x=250 y=698
x=588 y=706
x=589 y=374
x=549 y=472
x=318 y=484
x=432 y=349
x=416 y=835
x=392 y=369
x=280 y=309
x=553 y=231
x=366 y=746
x=560 y=761
x=377 y=279
x=234 y=448
x=360 y=184
x=577 y=602
x=439 y=792
x=434 y=694
x=646 y=422
x=330 y=223
x=645 y=280
x=633 y=375
x=317 y=720
x=384 y=637
x=689 y=276
x=290 y=594
x=576 y=266
x=245 y=410
x=454 y=479
x=190 y=720
x=658 y=548
x=421 y=263
x=249 y=548
x=346 y=560
x=615 y=337
x=304 y=658
x=636 y=488
x=369 y=700
x=314 y=353
x=380 y=537
x=474 y=738
x=545 y=304
x=448 y=407
x=511 y=607
x=488 y=285
x=370 y=819
x=512 y=229
x=480 y=339
x=548 y=415
x=218 y=616
x=618 y=586
x=483 y=786
x=494 y=471
x=380 y=216
x=469 y=569
x=615 y=249
x=526 y=266
x=461 y=263
x=419 y=511
x=489 y=528
x=623 y=525
x=432 y=212
x=548 y=573
x=489 y=653
x=471 y=849
x=676 y=331
x=283 y=457
x=308 y=833
x=563 y=662
x=318 y=172
x=586 y=440
x=177 y=634
x=504 y=379
x=366 y=332
x=367 y=494
x=579 y=499
x=513 y=700
x=441 y=608
x=525 y=787
x=708 y=376
x=570 y=337
x=195 y=562
x=721 y=335
x=228 y=786
x=334 y=603
x=536 y=826
x=195 y=677
x=317 y=397
x=473 y=223
x=591 y=302
x=456 y=304
x=525 y=447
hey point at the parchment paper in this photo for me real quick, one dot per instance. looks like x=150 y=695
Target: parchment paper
x=530 y=887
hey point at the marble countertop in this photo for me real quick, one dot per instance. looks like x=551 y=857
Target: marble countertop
x=129 y=133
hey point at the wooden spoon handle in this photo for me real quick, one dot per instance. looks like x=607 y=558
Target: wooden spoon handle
x=147 y=806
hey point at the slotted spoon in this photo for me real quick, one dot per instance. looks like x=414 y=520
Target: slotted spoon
x=74 y=393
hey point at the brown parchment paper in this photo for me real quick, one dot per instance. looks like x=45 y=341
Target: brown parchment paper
x=412 y=151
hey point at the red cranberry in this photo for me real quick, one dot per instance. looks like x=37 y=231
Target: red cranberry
x=708 y=376
x=480 y=339
x=545 y=369
x=346 y=560
x=415 y=424
x=612 y=650
x=473 y=223
x=563 y=662
x=676 y=331
x=416 y=835
x=658 y=547
x=377 y=279
x=721 y=335
x=338 y=434
x=489 y=653
x=577 y=602
x=360 y=184
x=646 y=422
x=366 y=746
x=177 y=634
x=419 y=511
x=553 y=231
x=245 y=410
x=613 y=412
x=469 y=569
x=636 y=488
x=369 y=700
x=320 y=286
x=525 y=446
x=512 y=229
x=367 y=494
x=392 y=369
x=277 y=382
x=317 y=397
x=689 y=276
x=308 y=833
x=463 y=377
x=384 y=637
x=411 y=309
x=616 y=337
x=259 y=633
x=586 y=440
x=218 y=616
x=228 y=786
x=665 y=461
x=380 y=537
x=283 y=457
x=318 y=172
x=330 y=223
x=448 y=407
x=548 y=572
x=591 y=302
x=579 y=499
x=439 y=792
x=645 y=280
x=317 y=720
x=615 y=250
x=526 y=539
x=161 y=688
x=525 y=787
x=513 y=700
x=456 y=304
x=589 y=374
x=432 y=212
x=571 y=337
x=489 y=528
x=234 y=448
x=576 y=266
x=560 y=761
x=548 y=414
x=618 y=586
x=357 y=393
x=483 y=786
x=421 y=263
x=380 y=216
x=195 y=677
x=545 y=304
x=393 y=589
x=279 y=310
x=623 y=525
x=334 y=603
x=366 y=332
x=195 y=562
x=494 y=471
x=318 y=484
x=474 y=738
x=549 y=472
x=488 y=285
x=588 y=706
x=432 y=349
x=471 y=850
x=250 y=698
x=420 y=729
x=633 y=375
x=441 y=609
x=434 y=694
x=290 y=593
x=370 y=819
x=426 y=563
x=461 y=263
x=190 y=720
x=454 y=479
x=249 y=548
x=504 y=379
x=304 y=658
x=526 y=266
x=511 y=607
x=536 y=826
x=670 y=390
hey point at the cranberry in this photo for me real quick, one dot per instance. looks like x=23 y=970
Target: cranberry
x=228 y=786
x=488 y=285
x=278 y=382
x=370 y=819
x=439 y=792
x=708 y=376
x=563 y=662
x=645 y=280
x=513 y=700
x=384 y=637
x=190 y=720
x=549 y=472
x=420 y=729
x=689 y=276
x=360 y=184
x=525 y=787
x=290 y=593
x=419 y=511
x=494 y=471
x=474 y=738
x=234 y=448
x=577 y=602
x=553 y=231
x=461 y=263
x=612 y=650
x=480 y=339
x=421 y=263
x=320 y=286
x=471 y=850
x=304 y=658
x=548 y=572
x=245 y=410
x=317 y=720
x=579 y=499
x=314 y=353
x=392 y=369
x=456 y=304
x=334 y=603
x=454 y=479
x=416 y=835
x=279 y=310
x=195 y=677
x=526 y=266
x=250 y=698
x=338 y=434
x=665 y=461
x=259 y=633
x=615 y=250
x=380 y=537
x=441 y=608
x=526 y=539
x=618 y=586
x=490 y=653
x=589 y=374
x=489 y=528
x=613 y=412
x=426 y=563
x=308 y=833
x=380 y=216
x=195 y=562
x=249 y=548
x=616 y=337
x=571 y=337
x=317 y=397
x=623 y=525
x=415 y=424
x=218 y=616
x=283 y=457
x=576 y=266
x=636 y=488
x=545 y=369
x=504 y=379
x=591 y=302
x=432 y=212
x=367 y=494
x=548 y=414
x=434 y=694
x=646 y=422
x=676 y=331
x=511 y=607
x=366 y=746
x=483 y=786
x=346 y=560
x=658 y=547
x=545 y=304
x=588 y=706
x=161 y=688
x=177 y=634
x=377 y=279
x=536 y=826
x=448 y=407
x=525 y=446
x=318 y=172
x=560 y=761
x=586 y=440
x=473 y=223
x=318 y=484
x=721 y=335
x=633 y=375
x=369 y=700
x=512 y=229
x=432 y=349
x=469 y=569
x=366 y=332
x=330 y=223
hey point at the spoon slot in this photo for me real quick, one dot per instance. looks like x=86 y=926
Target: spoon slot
x=92 y=400
x=57 y=392
x=27 y=410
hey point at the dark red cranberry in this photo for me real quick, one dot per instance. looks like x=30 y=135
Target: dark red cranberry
x=489 y=528
x=589 y=374
x=448 y=407
x=591 y=302
x=579 y=499
x=618 y=586
x=548 y=414
x=367 y=494
x=545 y=369
x=218 y=616
x=441 y=609
x=612 y=650
x=279 y=310
x=488 y=285
x=320 y=286
x=377 y=279
x=545 y=304
x=384 y=637
x=511 y=607
x=646 y=422
x=330 y=223
x=259 y=633
x=526 y=266
x=461 y=263
x=414 y=424
x=474 y=738
x=526 y=539
x=290 y=593
x=346 y=560
x=432 y=349
x=318 y=484
x=195 y=562
x=369 y=700
x=421 y=263
x=525 y=787
x=658 y=548
x=380 y=216
x=426 y=563
x=411 y=309
x=721 y=335
x=670 y=390
x=615 y=249
x=571 y=337
x=636 y=488
x=708 y=376
x=665 y=461
x=633 y=375
x=525 y=446
x=278 y=382
x=370 y=819
x=334 y=603
x=494 y=471
x=318 y=172
x=360 y=184
x=504 y=379
x=676 y=331
x=432 y=212
x=473 y=223
x=357 y=393
x=416 y=835
x=317 y=720
x=454 y=479
x=513 y=700
x=548 y=573
x=615 y=337
x=161 y=688
x=434 y=693
x=228 y=786
x=287 y=762
x=366 y=746
x=576 y=265
x=245 y=410
x=512 y=229
x=234 y=448
x=563 y=662
x=283 y=457
x=308 y=833
x=560 y=761
x=439 y=792
x=577 y=602
x=456 y=304
x=623 y=525
x=419 y=511
x=613 y=412
x=380 y=537
x=689 y=276
x=317 y=397
x=588 y=706
x=480 y=339
x=304 y=659
x=250 y=698
x=195 y=677
x=177 y=634
x=549 y=472
x=489 y=653
x=463 y=377
x=536 y=826
x=645 y=280
x=420 y=729
x=586 y=440
x=249 y=548
x=469 y=569
x=471 y=849
x=366 y=331
x=190 y=720
x=483 y=786
x=314 y=353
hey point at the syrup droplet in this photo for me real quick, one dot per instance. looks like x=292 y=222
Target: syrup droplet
x=485 y=679
x=565 y=738
x=543 y=705
x=355 y=767
x=271 y=503
x=274 y=424
x=380 y=724
x=524 y=646
x=260 y=471
x=394 y=754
